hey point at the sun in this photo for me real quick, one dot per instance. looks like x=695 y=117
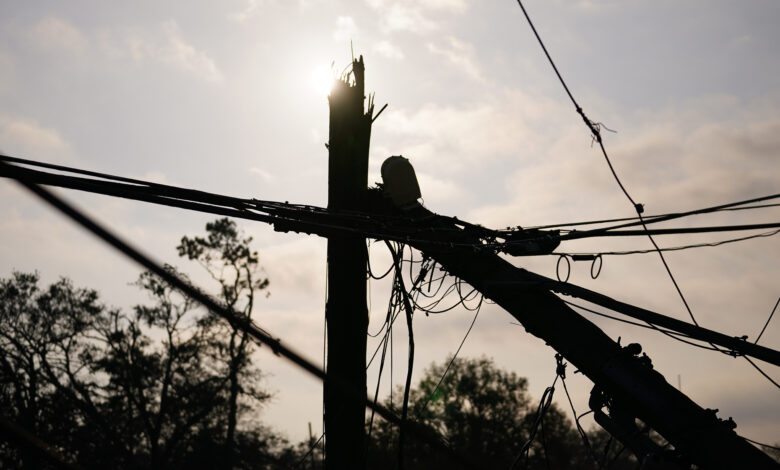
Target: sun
x=322 y=80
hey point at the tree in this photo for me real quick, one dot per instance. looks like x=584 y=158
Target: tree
x=228 y=258
x=165 y=386
x=486 y=415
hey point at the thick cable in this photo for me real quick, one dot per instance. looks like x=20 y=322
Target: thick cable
x=732 y=206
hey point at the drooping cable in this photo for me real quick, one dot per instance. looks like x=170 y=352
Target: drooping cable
x=767 y=321
x=675 y=336
x=561 y=372
x=452 y=359
x=761 y=444
x=672 y=248
x=407 y=386
x=541 y=410
x=656 y=218
x=761 y=371
x=302 y=460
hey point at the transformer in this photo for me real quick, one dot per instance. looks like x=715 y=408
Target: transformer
x=400 y=182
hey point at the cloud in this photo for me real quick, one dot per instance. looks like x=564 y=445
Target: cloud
x=505 y=126
x=346 y=29
x=58 y=35
x=250 y=10
x=263 y=174
x=7 y=72
x=28 y=138
x=460 y=54
x=413 y=16
x=163 y=45
x=389 y=50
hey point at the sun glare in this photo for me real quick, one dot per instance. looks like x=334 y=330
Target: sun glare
x=322 y=80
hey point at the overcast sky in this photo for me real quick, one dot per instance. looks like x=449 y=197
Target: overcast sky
x=229 y=97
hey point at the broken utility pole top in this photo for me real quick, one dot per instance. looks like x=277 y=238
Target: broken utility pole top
x=346 y=312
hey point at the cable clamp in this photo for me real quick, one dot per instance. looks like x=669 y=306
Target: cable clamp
x=560 y=366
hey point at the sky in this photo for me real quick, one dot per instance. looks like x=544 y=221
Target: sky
x=231 y=97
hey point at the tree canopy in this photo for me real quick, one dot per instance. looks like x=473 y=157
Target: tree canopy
x=166 y=385
x=486 y=416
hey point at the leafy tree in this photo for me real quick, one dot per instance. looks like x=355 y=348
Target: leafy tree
x=229 y=259
x=486 y=416
x=165 y=386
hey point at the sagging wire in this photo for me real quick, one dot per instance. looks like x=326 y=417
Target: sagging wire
x=393 y=309
x=767 y=321
x=672 y=248
x=302 y=460
x=454 y=356
x=678 y=337
x=561 y=371
x=762 y=372
x=407 y=387
x=672 y=334
x=541 y=410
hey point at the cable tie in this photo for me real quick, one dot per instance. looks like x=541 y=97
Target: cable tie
x=558 y=268
x=583 y=257
x=593 y=266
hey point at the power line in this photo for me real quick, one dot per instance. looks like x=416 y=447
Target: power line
x=762 y=372
x=454 y=356
x=544 y=404
x=738 y=345
x=673 y=248
x=408 y=385
x=286 y=215
x=561 y=371
x=672 y=334
x=311 y=219
x=760 y=443
x=595 y=131
x=662 y=217
x=575 y=235
x=767 y=321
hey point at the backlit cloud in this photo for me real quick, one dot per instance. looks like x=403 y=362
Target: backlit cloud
x=346 y=29
x=250 y=9
x=414 y=16
x=389 y=50
x=459 y=54
x=58 y=35
x=163 y=45
x=27 y=137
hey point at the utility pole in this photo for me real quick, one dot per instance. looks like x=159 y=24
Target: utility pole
x=626 y=379
x=346 y=312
